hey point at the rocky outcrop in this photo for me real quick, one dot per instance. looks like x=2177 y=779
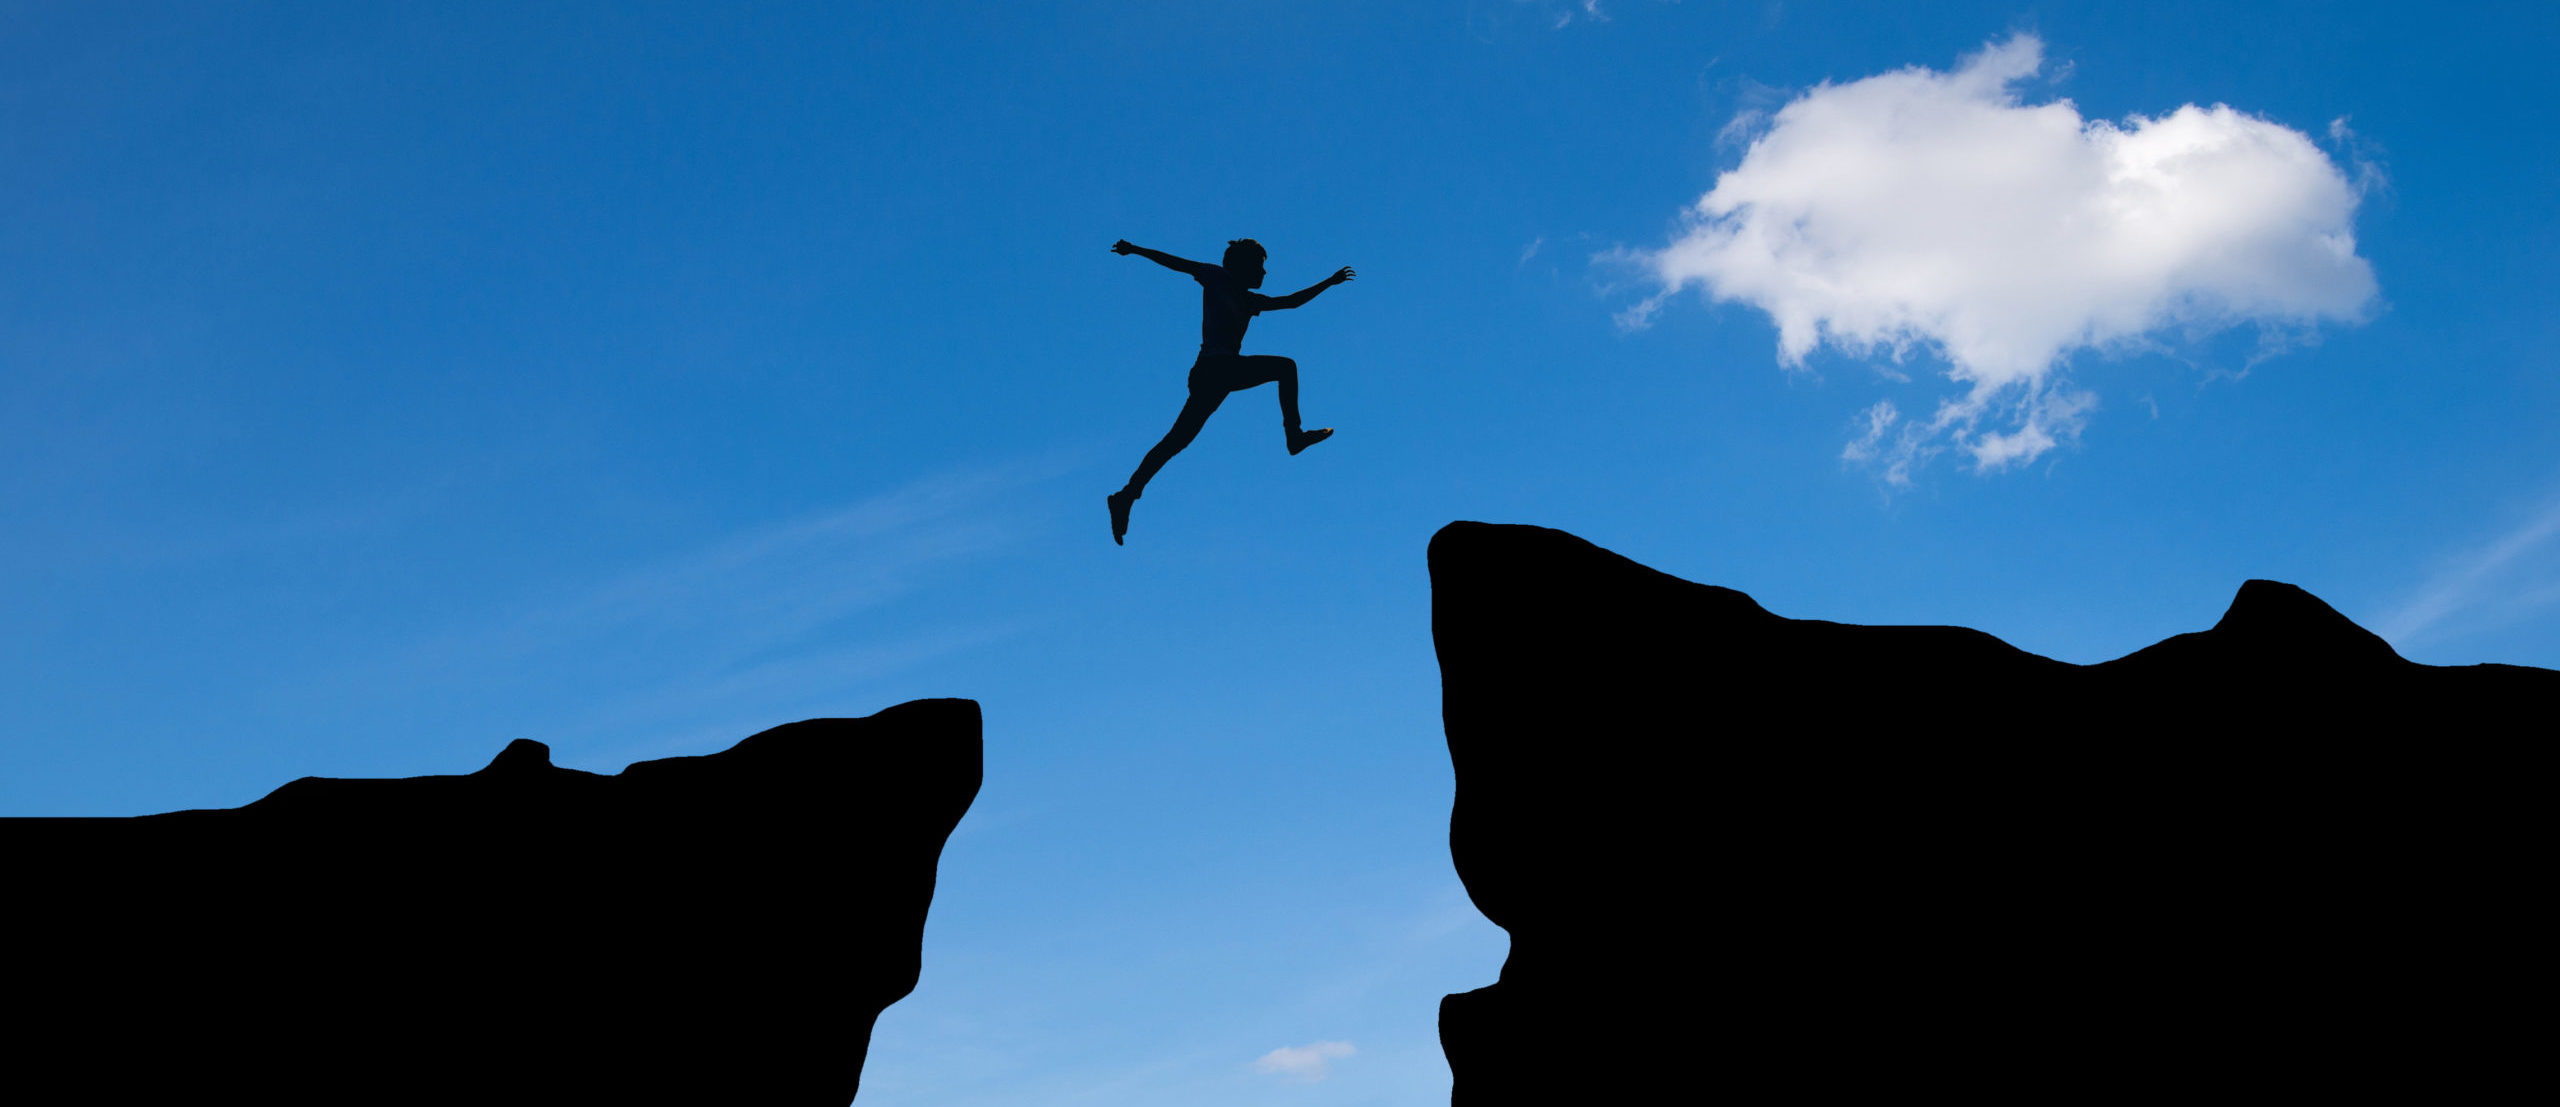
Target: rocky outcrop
x=716 y=929
x=1757 y=859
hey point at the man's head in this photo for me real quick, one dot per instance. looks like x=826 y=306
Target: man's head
x=1244 y=261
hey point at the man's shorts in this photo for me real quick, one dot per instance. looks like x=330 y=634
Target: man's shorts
x=1220 y=372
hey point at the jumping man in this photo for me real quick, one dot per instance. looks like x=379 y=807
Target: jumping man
x=1227 y=302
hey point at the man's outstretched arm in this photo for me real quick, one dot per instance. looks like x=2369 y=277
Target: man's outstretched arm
x=1178 y=265
x=1340 y=276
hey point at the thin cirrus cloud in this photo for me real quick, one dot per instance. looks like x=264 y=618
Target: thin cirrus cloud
x=690 y=646
x=2486 y=578
x=1939 y=212
x=1310 y=1062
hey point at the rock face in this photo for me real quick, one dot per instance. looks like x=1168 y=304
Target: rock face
x=1757 y=859
x=718 y=929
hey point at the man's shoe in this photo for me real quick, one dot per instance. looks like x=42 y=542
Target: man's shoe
x=1304 y=439
x=1119 y=502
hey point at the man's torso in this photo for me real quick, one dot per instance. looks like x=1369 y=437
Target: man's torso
x=1225 y=310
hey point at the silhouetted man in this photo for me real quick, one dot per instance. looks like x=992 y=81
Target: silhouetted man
x=1227 y=302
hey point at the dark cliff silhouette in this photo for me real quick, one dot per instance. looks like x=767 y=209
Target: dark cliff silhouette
x=1228 y=304
x=1759 y=859
x=716 y=929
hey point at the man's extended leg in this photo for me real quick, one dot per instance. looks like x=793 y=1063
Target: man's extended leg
x=1186 y=426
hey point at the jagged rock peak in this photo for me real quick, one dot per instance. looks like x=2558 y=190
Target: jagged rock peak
x=521 y=755
x=2281 y=615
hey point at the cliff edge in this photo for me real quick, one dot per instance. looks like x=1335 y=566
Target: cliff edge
x=715 y=929
x=1765 y=859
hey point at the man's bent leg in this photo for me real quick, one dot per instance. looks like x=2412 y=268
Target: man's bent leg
x=1266 y=367
x=1253 y=371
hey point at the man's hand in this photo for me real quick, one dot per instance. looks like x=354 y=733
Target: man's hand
x=1125 y=247
x=1340 y=276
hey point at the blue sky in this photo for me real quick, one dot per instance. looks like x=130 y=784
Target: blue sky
x=380 y=385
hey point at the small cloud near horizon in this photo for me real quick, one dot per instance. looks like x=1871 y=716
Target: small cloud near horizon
x=1939 y=212
x=1307 y=1063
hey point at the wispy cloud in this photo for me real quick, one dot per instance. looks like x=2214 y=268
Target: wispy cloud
x=1939 y=212
x=1564 y=13
x=743 y=594
x=1309 y=1063
x=740 y=631
x=2363 y=153
x=2483 y=575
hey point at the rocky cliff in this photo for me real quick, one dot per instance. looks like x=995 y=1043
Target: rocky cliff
x=716 y=929
x=1757 y=859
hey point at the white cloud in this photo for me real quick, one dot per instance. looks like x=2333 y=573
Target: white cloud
x=1938 y=212
x=1310 y=1062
